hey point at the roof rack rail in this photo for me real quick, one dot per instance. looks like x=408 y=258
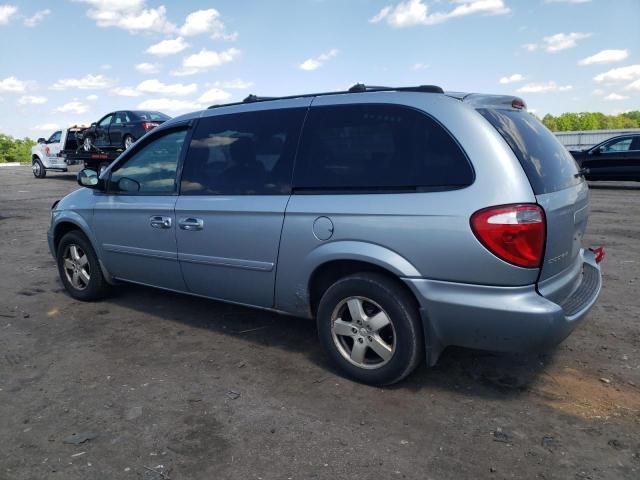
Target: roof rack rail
x=357 y=88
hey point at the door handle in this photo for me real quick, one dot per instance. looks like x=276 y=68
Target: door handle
x=160 y=222
x=191 y=224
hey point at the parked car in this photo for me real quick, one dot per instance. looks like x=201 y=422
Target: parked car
x=46 y=153
x=615 y=159
x=403 y=220
x=121 y=129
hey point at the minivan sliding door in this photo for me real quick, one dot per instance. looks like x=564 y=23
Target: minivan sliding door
x=234 y=190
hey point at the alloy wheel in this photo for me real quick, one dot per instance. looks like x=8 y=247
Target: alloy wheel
x=76 y=267
x=363 y=332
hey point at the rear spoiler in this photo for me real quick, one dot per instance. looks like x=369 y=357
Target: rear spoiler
x=482 y=100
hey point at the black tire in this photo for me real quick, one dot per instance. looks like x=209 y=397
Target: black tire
x=400 y=307
x=38 y=168
x=96 y=287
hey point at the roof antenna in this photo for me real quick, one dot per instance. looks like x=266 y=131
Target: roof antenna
x=358 y=87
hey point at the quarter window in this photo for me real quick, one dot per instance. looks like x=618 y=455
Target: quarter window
x=378 y=147
x=152 y=168
x=243 y=154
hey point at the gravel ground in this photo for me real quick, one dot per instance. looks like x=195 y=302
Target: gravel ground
x=153 y=385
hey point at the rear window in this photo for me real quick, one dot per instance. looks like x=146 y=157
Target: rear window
x=378 y=148
x=157 y=116
x=547 y=163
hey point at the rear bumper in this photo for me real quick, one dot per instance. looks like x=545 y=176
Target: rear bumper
x=509 y=319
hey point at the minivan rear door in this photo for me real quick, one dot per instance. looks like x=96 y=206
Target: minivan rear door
x=235 y=186
x=558 y=186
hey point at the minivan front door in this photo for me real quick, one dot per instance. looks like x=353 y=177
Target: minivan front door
x=235 y=186
x=134 y=221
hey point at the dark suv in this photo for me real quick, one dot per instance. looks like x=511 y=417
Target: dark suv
x=615 y=159
x=121 y=129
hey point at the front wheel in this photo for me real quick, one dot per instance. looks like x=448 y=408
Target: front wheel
x=79 y=268
x=38 y=169
x=87 y=143
x=369 y=326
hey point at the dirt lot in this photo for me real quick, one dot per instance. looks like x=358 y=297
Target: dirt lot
x=167 y=386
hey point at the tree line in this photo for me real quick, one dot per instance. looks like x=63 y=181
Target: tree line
x=591 y=121
x=15 y=149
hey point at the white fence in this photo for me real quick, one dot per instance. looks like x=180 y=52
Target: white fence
x=588 y=138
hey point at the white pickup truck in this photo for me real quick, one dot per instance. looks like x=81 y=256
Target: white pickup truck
x=46 y=154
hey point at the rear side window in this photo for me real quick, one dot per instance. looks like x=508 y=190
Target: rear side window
x=243 y=153
x=378 y=147
x=547 y=163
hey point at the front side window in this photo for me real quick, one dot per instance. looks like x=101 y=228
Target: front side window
x=243 y=154
x=105 y=121
x=150 y=169
x=620 y=145
x=378 y=147
x=55 y=138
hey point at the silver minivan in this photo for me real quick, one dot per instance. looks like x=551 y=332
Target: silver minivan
x=403 y=220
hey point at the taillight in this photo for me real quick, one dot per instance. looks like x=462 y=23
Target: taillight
x=514 y=233
x=149 y=125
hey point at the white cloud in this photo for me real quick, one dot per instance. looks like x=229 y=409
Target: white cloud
x=157 y=87
x=169 y=105
x=530 y=47
x=36 y=18
x=6 y=12
x=605 y=56
x=598 y=92
x=31 y=100
x=125 y=92
x=615 y=97
x=206 y=59
x=147 y=68
x=73 y=107
x=414 y=12
x=419 y=66
x=633 y=86
x=206 y=21
x=88 y=82
x=213 y=96
x=516 y=77
x=547 y=87
x=562 y=41
x=168 y=47
x=621 y=74
x=237 y=84
x=314 y=63
x=92 y=98
x=45 y=127
x=129 y=15
x=12 y=84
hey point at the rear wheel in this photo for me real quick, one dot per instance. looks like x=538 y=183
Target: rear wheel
x=38 y=169
x=369 y=326
x=127 y=141
x=79 y=268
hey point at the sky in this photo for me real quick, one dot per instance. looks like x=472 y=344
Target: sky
x=68 y=62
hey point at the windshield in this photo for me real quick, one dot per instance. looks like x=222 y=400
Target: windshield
x=547 y=163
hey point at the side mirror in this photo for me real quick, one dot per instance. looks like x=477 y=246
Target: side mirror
x=128 y=185
x=42 y=140
x=89 y=178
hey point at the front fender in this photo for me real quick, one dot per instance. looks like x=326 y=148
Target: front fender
x=292 y=283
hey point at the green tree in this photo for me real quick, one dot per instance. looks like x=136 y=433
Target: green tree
x=15 y=149
x=591 y=121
